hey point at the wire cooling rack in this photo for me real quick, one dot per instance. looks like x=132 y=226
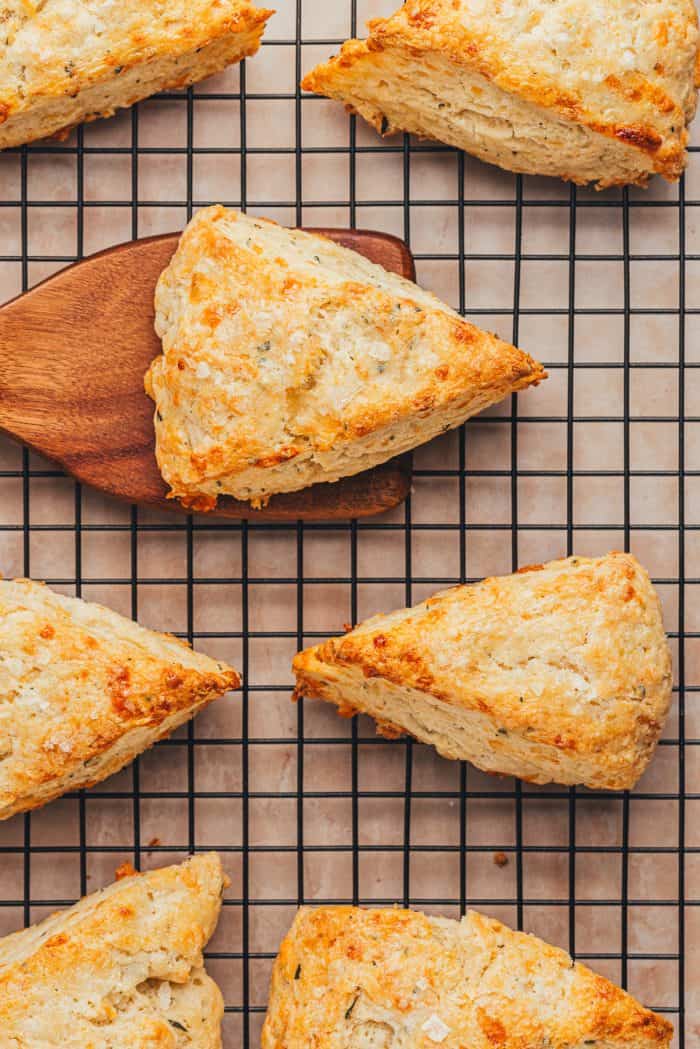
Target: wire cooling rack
x=305 y=807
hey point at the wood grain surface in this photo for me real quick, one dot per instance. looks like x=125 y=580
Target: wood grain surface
x=73 y=354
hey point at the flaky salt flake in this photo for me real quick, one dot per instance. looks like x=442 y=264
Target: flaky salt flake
x=55 y=743
x=436 y=1029
x=164 y=996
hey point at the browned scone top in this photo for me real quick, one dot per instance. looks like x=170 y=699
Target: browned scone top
x=561 y=672
x=348 y=978
x=84 y=691
x=122 y=969
x=66 y=61
x=290 y=360
x=600 y=92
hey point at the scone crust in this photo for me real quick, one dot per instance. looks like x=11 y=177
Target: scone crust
x=629 y=73
x=288 y=360
x=564 y=667
x=122 y=969
x=85 y=690
x=345 y=975
x=66 y=61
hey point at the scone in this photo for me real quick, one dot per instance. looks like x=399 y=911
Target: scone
x=348 y=978
x=84 y=691
x=561 y=672
x=589 y=92
x=66 y=61
x=289 y=360
x=122 y=969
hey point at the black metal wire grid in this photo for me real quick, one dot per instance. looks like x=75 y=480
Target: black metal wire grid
x=304 y=807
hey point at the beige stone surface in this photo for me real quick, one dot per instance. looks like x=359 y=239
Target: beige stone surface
x=302 y=793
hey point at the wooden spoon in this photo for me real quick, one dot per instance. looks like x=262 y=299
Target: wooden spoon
x=73 y=354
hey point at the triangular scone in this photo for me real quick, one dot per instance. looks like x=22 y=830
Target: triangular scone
x=384 y=979
x=590 y=92
x=66 y=61
x=560 y=673
x=122 y=968
x=84 y=691
x=289 y=360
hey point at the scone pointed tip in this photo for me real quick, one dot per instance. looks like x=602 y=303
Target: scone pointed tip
x=531 y=371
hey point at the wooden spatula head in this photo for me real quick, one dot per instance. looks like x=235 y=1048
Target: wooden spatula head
x=73 y=354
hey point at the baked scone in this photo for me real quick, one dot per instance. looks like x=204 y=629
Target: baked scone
x=84 y=691
x=63 y=62
x=122 y=969
x=561 y=672
x=289 y=360
x=589 y=92
x=348 y=978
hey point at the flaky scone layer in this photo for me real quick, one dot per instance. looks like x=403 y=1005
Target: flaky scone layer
x=289 y=360
x=67 y=61
x=598 y=92
x=561 y=672
x=85 y=690
x=348 y=978
x=122 y=969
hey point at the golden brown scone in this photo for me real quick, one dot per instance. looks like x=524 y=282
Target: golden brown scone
x=591 y=92
x=63 y=62
x=561 y=672
x=348 y=978
x=122 y=969
x=289 y=360
x=84 y=691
